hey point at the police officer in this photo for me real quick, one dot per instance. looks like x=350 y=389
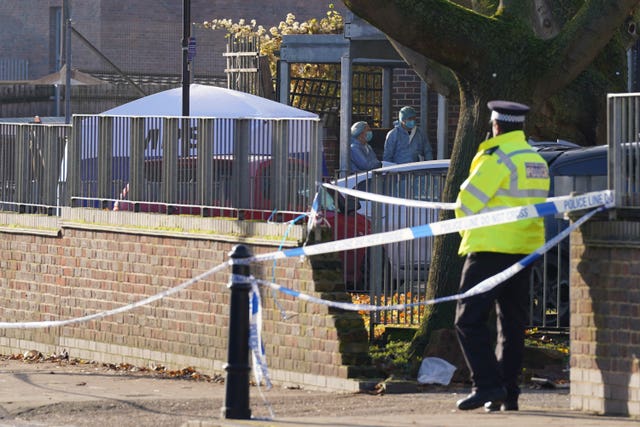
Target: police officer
x=504 y=173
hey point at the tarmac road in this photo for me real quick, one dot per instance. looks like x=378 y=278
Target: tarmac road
x=60 y=394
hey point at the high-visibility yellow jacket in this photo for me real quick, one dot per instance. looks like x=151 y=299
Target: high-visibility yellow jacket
x=504 y=173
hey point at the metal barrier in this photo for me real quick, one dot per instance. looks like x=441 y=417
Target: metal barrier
x=14 y=69
x=549 y=282
x=243 y=168
x=206 y=166
x=395 y=272
x=398 y=272
x=254 y=168
x=31 y=167
x=623 y=140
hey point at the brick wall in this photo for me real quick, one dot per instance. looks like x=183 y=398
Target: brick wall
x=141 y=36
x=605 y=318
x=85 y=271
x=406 y=85
x=406 y=91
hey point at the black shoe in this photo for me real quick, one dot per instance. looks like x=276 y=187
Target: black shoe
x=479 y=397
x=507 y=405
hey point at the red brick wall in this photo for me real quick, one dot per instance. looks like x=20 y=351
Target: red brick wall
x=605 y=317
x=406 y=91
x=90 y=271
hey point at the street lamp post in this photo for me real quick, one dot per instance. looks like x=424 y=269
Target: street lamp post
x=186 y=72
x=66 y=15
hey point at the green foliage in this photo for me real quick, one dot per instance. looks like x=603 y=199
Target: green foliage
x=391 y=359
x=549 y=341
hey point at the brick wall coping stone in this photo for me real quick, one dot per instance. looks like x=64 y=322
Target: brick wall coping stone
x=230 y=230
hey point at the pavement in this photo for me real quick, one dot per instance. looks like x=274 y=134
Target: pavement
x=54 y=394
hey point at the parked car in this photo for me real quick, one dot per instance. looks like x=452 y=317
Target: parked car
x=257 y=197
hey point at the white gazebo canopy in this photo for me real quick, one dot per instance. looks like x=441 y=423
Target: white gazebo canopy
x=210 y=101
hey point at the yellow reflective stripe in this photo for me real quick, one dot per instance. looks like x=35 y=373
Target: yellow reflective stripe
x=513 y=190
x=505 y=158
x=472 y=199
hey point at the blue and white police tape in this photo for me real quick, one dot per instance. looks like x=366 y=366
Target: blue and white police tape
x=256 y=345
x=552 y=206
x=480 y=288
x=389 y=200
x=100 y=315
x=260 y=364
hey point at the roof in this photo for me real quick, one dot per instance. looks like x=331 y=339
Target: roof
x=209 y=101
x=60 y=78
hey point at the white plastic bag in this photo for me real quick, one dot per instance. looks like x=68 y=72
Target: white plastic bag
x=434 y=370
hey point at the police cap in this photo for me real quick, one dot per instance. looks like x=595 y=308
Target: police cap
x=507 y=111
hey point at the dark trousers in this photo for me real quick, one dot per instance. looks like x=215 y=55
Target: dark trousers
x=491 y=369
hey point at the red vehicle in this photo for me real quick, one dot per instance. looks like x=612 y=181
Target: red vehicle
x=256 y=200
x=225 y=193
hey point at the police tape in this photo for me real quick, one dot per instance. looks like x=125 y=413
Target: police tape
x=389 y=200
x=258 y=357
x=554 y=206
x=484 y=286
x=260 y=360
x=100 y=315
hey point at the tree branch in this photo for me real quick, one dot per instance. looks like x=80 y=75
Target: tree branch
x=580 y=42
x=439 y=78
x=455 y=27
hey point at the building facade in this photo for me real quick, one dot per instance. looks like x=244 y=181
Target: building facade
x=140 y=37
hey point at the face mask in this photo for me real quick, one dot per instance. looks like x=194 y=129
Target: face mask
x=368 y=136
x=410 y=124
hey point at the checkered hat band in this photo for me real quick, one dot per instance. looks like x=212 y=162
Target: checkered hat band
x=506 y=117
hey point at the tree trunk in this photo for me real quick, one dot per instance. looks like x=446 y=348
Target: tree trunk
x=446 y=265
x=560 y=57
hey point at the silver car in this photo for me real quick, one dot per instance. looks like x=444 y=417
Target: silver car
x=403 y=262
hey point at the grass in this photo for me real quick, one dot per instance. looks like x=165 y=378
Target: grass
x=388 y=349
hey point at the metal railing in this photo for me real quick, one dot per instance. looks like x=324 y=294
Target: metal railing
x=623 y=140
x=246 y=168
x=394 y=272
x=398 y=272
x=31 y=164
x=258 y=167
x=14 y=69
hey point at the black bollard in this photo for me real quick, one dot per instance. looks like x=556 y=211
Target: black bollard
x=236 y=400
